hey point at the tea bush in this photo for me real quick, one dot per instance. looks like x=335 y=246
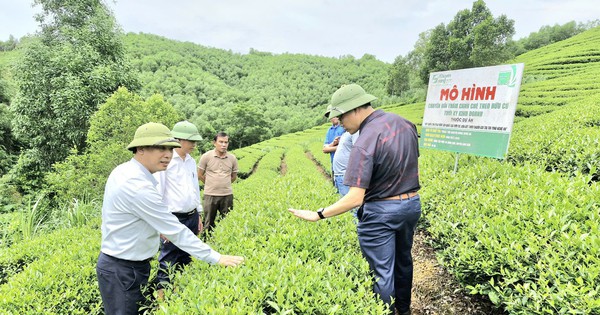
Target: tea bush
x=525 y=237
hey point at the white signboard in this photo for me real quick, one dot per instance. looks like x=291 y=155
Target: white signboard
x=471 y=110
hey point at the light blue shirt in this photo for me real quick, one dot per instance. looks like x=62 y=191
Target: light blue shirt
x=332 y=133
x=134 y=216
x=342 y=154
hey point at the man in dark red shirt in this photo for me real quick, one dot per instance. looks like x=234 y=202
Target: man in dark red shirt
x=383 y=176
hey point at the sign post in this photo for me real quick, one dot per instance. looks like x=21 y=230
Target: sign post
x=471 y=110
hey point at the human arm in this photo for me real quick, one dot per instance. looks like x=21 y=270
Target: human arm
x=353 y=199
x=200 y=226
x=146 y=204
x=230 y=261
x=234 y=168
x=331 y=147
x=201 y=175
x=202 y=164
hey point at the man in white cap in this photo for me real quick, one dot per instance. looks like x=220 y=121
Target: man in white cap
x=133 y=217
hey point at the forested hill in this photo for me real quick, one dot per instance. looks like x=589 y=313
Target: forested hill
x=252 y=96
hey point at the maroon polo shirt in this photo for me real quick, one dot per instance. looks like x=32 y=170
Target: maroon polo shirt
x=384 y=159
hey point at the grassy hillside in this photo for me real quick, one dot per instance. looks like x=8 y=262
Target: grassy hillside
x=252 y=97
x=284 y=93
x=524 y=232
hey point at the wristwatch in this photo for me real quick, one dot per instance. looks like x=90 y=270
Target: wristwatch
x=320 y=213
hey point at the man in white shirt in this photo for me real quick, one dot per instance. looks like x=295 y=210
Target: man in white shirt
x=178 y=185
x=133 y=217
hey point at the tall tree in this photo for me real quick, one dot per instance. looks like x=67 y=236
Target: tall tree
x=472 y=39
x=246 y=125
x=111 y=129
x=73 y=64
x=10 y=44
x=398 y=77
x=437 y=53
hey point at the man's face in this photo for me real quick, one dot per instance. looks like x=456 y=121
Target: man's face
x=350 y=121
x=335 y=121
x=155 y=158
x=187 y=147
x=221 y=144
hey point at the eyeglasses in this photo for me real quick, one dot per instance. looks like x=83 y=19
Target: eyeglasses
x=341 y=117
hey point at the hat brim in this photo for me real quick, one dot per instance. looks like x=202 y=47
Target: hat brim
x=185 y=136
x=348 y=105
x=154 y=141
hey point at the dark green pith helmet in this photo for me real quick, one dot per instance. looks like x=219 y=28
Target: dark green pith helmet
x=347 y=98
x=187 y=131
x=327 y=111
x=153 y=134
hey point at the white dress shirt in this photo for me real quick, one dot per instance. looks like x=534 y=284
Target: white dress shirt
x=179 y=184
x=133 y=216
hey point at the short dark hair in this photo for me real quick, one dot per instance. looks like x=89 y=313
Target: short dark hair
x=220 y=134
x=365 y=105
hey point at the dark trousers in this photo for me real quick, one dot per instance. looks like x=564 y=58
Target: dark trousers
x=170 y=255
x=120 y=283
x=385 y=233
x=212 y=204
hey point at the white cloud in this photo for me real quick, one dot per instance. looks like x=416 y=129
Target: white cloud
x=384 y=28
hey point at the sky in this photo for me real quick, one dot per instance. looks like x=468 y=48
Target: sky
x=331 y=28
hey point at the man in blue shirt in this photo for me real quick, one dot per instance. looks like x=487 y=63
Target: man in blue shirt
x=332 y=137
x=340 y=161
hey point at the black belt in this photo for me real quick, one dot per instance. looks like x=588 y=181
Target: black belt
x=403 y=196
x=127 y=262
x=183 y=215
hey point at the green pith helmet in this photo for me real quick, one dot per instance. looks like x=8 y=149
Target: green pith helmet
x=153 y=134
x=327 y=111
x=347 y=98
x=187 y=131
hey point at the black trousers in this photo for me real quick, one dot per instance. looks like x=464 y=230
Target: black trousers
x=212 y=204
x=170 y=255
x=120 y=283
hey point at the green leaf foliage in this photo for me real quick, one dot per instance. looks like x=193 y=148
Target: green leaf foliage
x=253 y=96
x=52 y=274
x=523 y=232
x=111 y=129
x=474 y=38
x=561 y=129
x=523 y=236
x=75 y=62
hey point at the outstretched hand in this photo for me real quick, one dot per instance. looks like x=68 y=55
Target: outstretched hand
x=200 y=227
x=230 y=261
x=305 y=214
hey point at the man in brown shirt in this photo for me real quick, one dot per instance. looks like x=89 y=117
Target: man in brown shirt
x=217 y=169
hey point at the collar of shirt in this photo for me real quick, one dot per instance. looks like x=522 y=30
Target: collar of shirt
x=373 y=115
x=145 y=171
x=177 y=156
x=216 y=154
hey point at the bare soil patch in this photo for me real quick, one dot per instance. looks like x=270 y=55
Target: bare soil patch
x=318 y=166
x=436 y=292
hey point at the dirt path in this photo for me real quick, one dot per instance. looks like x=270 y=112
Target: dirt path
x=436 y=292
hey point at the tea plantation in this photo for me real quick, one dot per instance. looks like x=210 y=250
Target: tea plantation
x=524 y=231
